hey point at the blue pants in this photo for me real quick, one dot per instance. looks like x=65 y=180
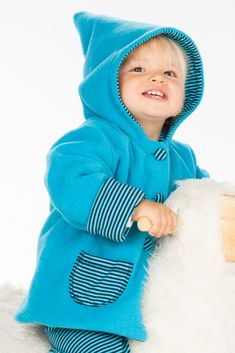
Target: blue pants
x=81 y=341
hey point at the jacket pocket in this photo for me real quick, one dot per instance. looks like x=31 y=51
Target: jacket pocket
x=96 y=281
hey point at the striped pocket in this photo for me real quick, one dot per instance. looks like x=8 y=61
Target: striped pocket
x=96 y=281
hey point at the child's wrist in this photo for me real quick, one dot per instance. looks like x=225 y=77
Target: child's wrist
x=137 y=213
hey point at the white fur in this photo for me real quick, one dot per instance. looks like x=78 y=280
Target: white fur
x=189 y=298
x=15 y=337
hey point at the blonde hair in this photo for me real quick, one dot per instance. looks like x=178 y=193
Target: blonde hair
x=174 y=53
x=173 y=50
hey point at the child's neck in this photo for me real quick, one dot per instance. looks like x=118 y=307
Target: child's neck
x=153 y=131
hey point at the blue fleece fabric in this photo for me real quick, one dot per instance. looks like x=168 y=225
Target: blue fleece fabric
x=91 y=268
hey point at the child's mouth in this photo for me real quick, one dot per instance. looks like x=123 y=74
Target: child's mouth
x=155 y=94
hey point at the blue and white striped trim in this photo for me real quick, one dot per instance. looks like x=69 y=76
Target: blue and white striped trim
x=159 y=198
x=82 y=341
x=150 y=243
x=96 y=281
x=160 y=154
x=194 y=84
x=112 y=208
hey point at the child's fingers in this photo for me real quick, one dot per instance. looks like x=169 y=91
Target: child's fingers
x=174 y=222
x=167 y=223
x=161 y=226
x=155 y=230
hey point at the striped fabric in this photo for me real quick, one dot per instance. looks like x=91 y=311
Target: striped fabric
x=95 y=281
x=194 y=81
x=150 y=243
x=112 y=208
x=81 y=341
x=159 y=198
x=160 y=154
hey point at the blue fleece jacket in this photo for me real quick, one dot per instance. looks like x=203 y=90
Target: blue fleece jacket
x=91 y=267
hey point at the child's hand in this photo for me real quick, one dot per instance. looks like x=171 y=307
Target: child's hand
x=164 y=221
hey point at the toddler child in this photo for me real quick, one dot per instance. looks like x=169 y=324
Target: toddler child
x=140 y=82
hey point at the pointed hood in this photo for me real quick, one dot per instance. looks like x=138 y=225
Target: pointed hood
x=106 y=41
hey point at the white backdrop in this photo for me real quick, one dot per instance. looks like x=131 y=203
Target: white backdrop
x=40 y=69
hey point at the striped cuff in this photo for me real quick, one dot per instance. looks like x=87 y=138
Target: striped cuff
x=129 y=222
x=112 y=208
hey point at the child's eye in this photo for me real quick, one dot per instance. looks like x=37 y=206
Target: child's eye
x=138 y=69
x=170 y=73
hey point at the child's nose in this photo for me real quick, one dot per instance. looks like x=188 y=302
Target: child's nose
x=159 y=78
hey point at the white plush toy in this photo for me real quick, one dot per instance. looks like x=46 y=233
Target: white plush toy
x=15 y=337
x=189 y=298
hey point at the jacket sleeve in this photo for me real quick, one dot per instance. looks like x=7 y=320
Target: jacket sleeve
x=82 y=186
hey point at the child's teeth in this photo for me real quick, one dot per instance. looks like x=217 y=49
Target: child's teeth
x=155 y=93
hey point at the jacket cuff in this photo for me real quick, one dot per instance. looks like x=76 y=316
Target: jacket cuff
x=112 y=208
x=129 y=222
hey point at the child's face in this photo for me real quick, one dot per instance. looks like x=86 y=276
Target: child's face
x=151 y=84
